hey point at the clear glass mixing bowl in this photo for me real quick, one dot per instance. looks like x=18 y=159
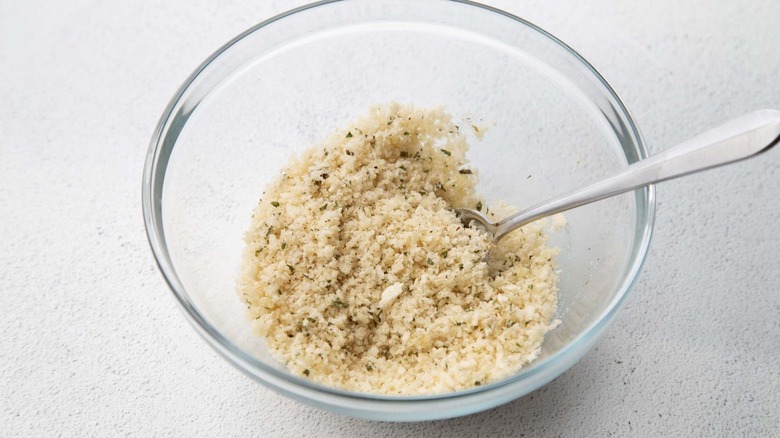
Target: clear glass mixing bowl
x=288 y=82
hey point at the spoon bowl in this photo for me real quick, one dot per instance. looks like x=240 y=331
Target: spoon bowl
x=736 y=140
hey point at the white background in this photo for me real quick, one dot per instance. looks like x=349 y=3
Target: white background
x=92 y=342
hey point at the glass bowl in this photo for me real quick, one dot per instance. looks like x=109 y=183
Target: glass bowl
x=290 y=81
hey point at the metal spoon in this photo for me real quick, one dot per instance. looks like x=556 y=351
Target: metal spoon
x=735 y=140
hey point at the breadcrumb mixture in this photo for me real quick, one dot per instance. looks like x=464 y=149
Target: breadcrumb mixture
x=360 y=276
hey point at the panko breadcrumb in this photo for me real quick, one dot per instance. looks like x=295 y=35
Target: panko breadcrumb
x=359 y=275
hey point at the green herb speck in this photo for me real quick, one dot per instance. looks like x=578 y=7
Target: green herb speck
x=446 y=152
x=479 y=206
x=404 y=154
x=465 y=171
x=340 y=304
x=290 y=267
x=349 y=135
x=444 y=254
x=306 y=373
x=430 y=262
x=284 y=245
x=274 y=203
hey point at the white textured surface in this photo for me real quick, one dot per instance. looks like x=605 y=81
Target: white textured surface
x=92 y=342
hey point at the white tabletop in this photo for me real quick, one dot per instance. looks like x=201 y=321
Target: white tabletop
x=92 y=342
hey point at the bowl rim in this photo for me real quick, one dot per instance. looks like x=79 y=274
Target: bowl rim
x=287 y=383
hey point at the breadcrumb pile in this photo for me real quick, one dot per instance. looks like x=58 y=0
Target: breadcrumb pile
x=359 y=275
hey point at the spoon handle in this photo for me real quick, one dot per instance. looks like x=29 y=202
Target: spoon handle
x=735 y=140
